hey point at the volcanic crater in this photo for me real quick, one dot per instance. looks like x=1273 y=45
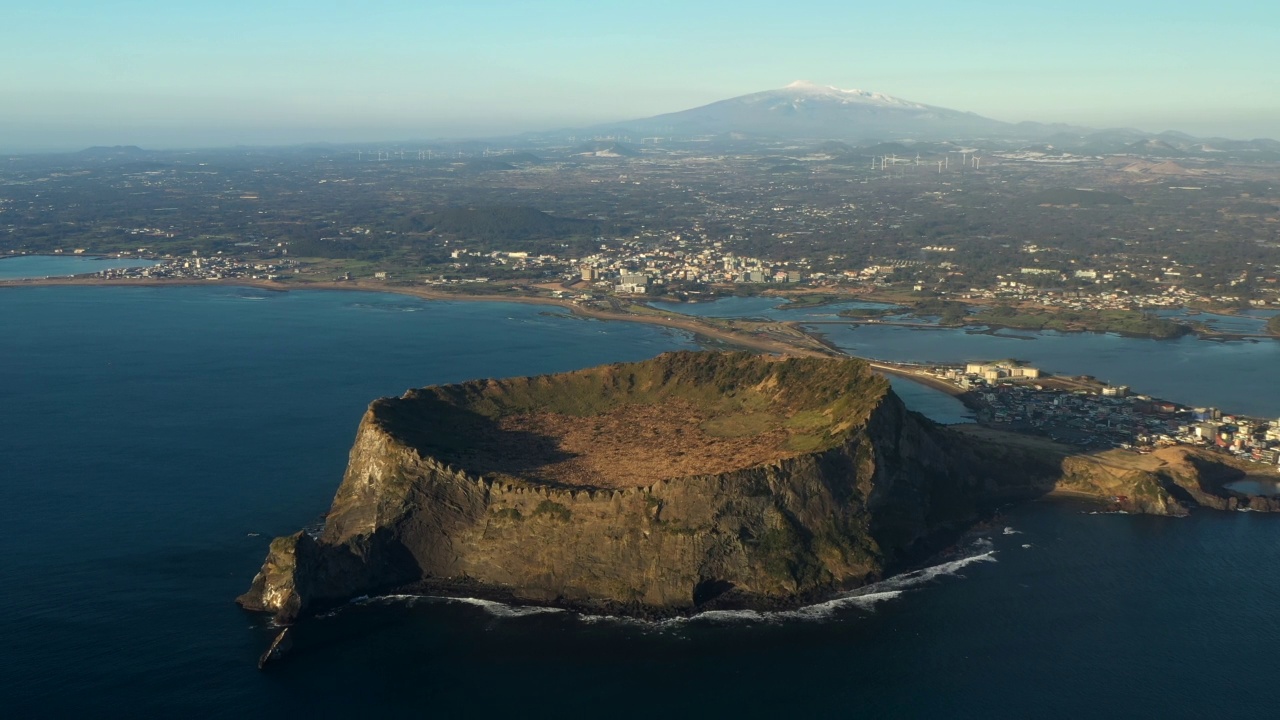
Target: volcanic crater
x=629 y=426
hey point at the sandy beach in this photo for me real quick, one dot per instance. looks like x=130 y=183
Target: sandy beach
x=917 y=376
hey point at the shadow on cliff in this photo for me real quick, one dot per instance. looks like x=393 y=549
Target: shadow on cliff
x=470 y=441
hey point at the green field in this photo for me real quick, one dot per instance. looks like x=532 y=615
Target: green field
x=1124 y=322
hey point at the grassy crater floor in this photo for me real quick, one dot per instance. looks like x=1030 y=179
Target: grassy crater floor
x=629 y=425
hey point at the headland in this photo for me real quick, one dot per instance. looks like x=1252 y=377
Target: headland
x=689 y=481
x=692 y=481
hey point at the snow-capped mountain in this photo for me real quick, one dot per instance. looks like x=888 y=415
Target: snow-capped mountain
x=802 y=91
x=804 y=110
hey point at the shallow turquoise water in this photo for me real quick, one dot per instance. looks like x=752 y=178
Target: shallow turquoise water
x=42 y=266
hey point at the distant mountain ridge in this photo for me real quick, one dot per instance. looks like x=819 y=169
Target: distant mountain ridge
x=113 y=151
x=860 y=121
x=805 y=110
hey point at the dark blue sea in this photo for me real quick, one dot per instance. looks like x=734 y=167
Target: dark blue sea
x=153 y=440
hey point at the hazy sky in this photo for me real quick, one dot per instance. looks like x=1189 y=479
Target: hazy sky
x=198 y=73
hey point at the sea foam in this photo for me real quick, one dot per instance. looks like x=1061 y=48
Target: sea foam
x=863 y=598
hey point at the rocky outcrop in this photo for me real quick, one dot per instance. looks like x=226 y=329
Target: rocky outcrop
x=1122 y=486
x=1169 y=481
x=449 y=487
x=1202 y=477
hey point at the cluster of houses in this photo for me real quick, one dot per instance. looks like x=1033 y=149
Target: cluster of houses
x=1241 y=436
x=1111 y=417
x=635 y=273
x=217 y=267
x=981 y=374
x=1171 y=296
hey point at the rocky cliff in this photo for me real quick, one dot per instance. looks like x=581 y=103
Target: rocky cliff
x=1168 y=481
x=686 y=481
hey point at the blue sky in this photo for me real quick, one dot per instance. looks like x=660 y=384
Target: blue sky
x=198 y=73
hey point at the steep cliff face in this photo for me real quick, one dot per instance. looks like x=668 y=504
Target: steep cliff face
x=806 y=476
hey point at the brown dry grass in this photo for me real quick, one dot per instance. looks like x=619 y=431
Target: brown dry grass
x=633 y=446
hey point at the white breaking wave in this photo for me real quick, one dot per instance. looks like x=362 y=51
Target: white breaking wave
x=494 y=607
x=865 y=598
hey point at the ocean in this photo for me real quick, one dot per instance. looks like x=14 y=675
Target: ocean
x=1238 y=376
x=153 y=440
x=43 y=266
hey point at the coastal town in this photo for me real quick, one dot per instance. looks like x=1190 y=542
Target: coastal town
x=1112 y=232
x=680 y=267
x=1093 y=415
x=218 y=267
x=695 y=264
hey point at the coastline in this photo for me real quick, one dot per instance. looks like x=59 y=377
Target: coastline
x=691 y=324
x=919 y=377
